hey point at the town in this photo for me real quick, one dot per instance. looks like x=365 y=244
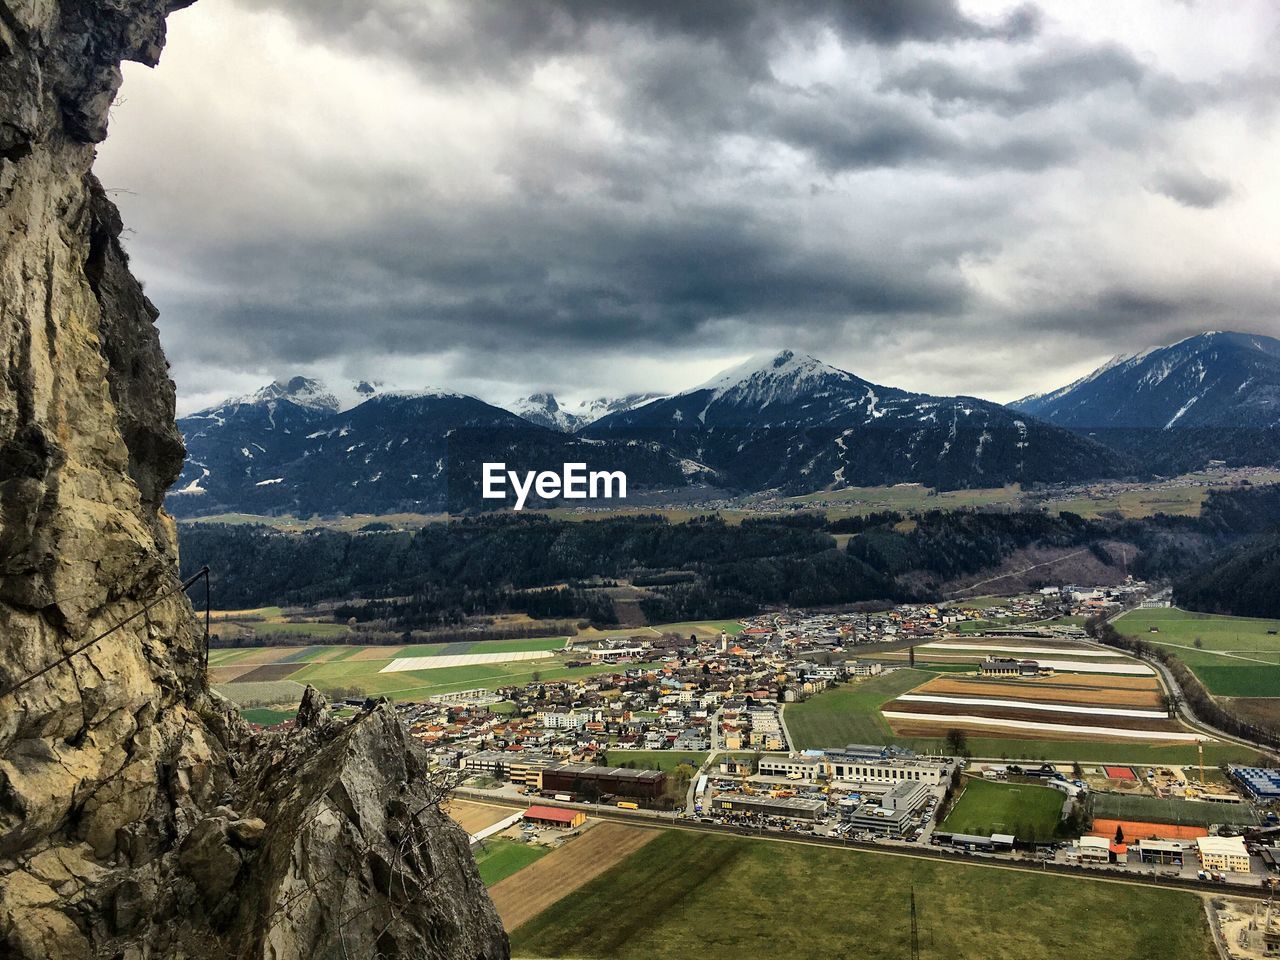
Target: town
x=693 y=729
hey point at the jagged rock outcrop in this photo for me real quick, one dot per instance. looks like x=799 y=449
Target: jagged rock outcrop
x=139 y=817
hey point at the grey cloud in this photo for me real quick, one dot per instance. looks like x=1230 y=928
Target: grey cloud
x=1042 y=80
x=496 y=38
x=711 y=191
x=1191 y=188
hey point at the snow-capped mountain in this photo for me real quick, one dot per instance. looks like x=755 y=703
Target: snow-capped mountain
x=295 y=447
x=792 y=422
x=1210 y=380
x=546 y=410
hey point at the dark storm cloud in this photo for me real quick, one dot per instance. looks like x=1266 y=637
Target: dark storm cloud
x=564 y=178
x=1041 y=81
x=498 y=39
x=553 y=279
x=1191 y=188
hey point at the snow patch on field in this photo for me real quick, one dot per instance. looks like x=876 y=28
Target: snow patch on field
x=400 y=664
x=1006 y=648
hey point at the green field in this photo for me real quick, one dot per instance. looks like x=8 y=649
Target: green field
x=850 y=713
x=333 y=669
x=1232 y=656
x=723 y=898
x=499 y=858
x=266 y=716
x=1191 y=813
x=665 y=760
x=261 y=692
x=516 y=646
x=1024 y=810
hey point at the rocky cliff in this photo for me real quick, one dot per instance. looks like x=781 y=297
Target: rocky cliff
x=139 y=817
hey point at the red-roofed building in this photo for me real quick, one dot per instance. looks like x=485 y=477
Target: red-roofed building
x=555 y=817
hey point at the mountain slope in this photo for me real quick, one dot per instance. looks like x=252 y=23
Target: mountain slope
x=794 y=423
x=1215 y=396
x=1214 y=379
x=292 y=450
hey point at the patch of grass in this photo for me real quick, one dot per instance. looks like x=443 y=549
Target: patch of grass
x=665 y=760
x=1232 y=656
x=304 y=629
x=266 y=691
x=266 y=716
x=499 y=858
x=849 y=713
x=673 y=899
x=517 y=646
x=1027 y=811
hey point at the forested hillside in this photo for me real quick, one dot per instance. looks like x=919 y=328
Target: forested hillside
x=701 y=568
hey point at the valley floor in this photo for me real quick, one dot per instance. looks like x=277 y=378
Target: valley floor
x=723 y=898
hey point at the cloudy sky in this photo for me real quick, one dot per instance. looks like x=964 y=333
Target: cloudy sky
x=594 y=198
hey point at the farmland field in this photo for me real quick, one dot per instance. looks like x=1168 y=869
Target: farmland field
x=820 y=902
x=498 y=859
x=849 y=713
x=474 y=817
x=1027 y=811
x=852 y=714
x=1098 y=707
x=1232 y=656
x=526 y=894
x=343 y=668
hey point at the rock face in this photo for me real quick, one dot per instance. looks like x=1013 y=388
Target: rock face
x=139 y=817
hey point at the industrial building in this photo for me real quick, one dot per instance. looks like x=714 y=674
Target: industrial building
x=972 y=842
x=555 y=817
x=1223 y=853
x=517 y=766
x=1093 y=850
x=589 y=781
x=804 y=768
x=793 y=808
x=1260 y=783
x=1163 y=852
x=1009 y=667
x=890 y=814
x=841 y=767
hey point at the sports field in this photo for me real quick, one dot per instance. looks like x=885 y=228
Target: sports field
x=1232 y=656
x=723 y=898
x=1197 y=813
x=1028 y=812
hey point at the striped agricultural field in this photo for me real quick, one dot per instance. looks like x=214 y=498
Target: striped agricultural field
x=1067 y=656
x=1101 y=707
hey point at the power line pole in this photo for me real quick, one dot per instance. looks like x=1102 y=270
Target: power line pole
x=915 y=930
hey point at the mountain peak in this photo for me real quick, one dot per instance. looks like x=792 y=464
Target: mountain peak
x=1217 y=378
x=304 y=391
